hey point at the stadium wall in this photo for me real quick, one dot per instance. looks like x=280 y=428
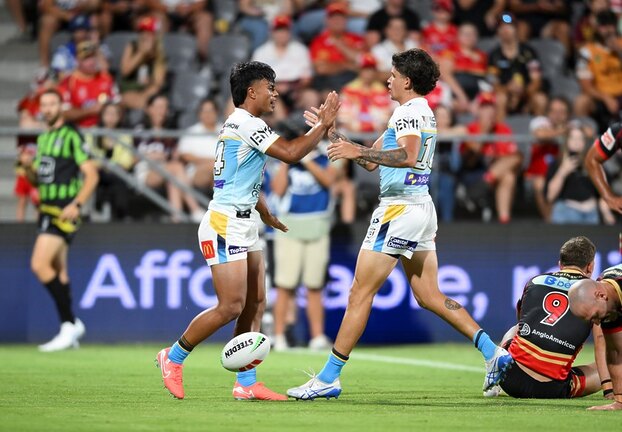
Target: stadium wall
x=144 y=282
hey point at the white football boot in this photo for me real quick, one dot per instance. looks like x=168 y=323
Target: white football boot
x=314 y=388
x=496 y=367
x=65 y=339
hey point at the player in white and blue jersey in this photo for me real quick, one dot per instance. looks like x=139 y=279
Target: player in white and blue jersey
x=403 y=227
x=228 y=234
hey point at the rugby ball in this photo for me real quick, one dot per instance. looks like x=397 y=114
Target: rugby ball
x=245 y=352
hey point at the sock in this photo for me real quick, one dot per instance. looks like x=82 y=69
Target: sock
x=61 y=294
x=332 y=368
x=247 y=378
x=180 y=350
x=484 y=344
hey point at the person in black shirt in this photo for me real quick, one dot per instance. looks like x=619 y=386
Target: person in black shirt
x=66 y=178
x=483 y=14
x=378 y=21
x=568 y=187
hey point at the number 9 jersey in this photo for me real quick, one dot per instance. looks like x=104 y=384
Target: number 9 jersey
x=240 y=161
x=549 y=336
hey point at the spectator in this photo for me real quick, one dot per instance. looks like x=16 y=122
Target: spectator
x=446 y=160
x=483 y=14
x=16 y=9
x=120 y=15
x=463 y=67
x=163 y=150
x=335 y=52
x=87 y=88
x=396 y=40
x=199 y=152
x=57 y=14
x=585 y=29
x=543 y=18
x=365 y=101
x=112 y=190
x=302 y=254
x=548 y=131
x=289 y=58
x=143 y=66
x=440 y=34
x=30 y=116
x=569 y=188
x=359 y=13
x=514 y=70
x=490 y=165
x=254 y=17
x=193 y=15
x=24 y=190
x=64 y=60
x=379 y=20
x=441 y=95
x=599 y=70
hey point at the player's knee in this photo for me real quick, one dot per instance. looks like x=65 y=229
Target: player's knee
x=40 y=268
x=231 y=310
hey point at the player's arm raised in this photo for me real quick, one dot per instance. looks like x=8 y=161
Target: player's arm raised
x=293 y=151
x=405 y=156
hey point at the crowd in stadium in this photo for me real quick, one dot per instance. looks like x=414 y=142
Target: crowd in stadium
x=547 y=70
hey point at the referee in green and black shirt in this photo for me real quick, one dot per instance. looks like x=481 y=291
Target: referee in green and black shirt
x=66 y=178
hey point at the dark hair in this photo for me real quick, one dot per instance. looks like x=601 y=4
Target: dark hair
x=52 y=91
x=155 y=96
x=210 y=101
x=561 y=99
x=578 y=251
x=243 y=75
x=417 y=65
x=105 y=106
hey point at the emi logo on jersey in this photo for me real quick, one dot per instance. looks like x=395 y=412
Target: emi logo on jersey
x=207 y=249
x=260 y=135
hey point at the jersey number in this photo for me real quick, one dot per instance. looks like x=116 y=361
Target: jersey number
x=425 y=161
x=219 y=163
x=555 y=304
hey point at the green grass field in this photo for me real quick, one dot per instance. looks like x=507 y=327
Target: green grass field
x=426 y=388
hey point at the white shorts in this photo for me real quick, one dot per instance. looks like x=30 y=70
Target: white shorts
x=225 y=237
x=300 y=261
x=401 y=229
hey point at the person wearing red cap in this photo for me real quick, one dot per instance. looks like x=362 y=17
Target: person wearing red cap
x=365 y=101
x=335 y=52
x=143 y=65
x=490 y=165
x=288 y=57
x=440 y=34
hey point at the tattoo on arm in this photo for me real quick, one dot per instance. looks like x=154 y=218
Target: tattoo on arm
x=391 y=158
x=334 y=135
x=452 y=304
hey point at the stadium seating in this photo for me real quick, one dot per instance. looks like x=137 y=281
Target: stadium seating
x=227 y=49
x=116 y=43
x=181 y=51
x=552 y=56
x=487 y=44
x=189 y=88
x=226 y=10
x=59 y=38
x=565 y=86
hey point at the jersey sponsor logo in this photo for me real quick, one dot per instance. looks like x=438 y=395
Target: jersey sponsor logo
x=230 y=126
x=608 y=139
x=370 y=232
x=413 y=179
x=562 y=283
x=234 y=250
x=45 y=172
x=525 y=330
x=207 y=249
x=219 y=184
x=406 y=123
x=544 y=335
x=260 y=135
x=400 y=243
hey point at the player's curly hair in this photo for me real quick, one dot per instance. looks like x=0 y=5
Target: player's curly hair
x=419 y=66
x=578 y=251
x=243 y=75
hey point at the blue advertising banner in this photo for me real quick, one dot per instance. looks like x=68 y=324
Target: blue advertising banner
x=144 y=282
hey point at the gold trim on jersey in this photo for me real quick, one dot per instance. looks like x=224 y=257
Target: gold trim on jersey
x=616 y=287
x=540 y=353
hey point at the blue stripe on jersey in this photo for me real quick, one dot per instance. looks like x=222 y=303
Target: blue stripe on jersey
x=382 y=234
x=222 y=249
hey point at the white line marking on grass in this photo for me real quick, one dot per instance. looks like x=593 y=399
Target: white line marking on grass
x=398 y=360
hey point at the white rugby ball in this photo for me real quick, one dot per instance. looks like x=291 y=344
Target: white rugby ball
x=245 y=352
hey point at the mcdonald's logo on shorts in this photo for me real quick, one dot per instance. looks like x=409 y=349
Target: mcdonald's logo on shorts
x=207 y=249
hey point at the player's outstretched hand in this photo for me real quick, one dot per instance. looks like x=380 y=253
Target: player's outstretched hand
x=310 y=116
x=271 y=220
x=327 y=114
x=343 y=150
x=615 y=406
